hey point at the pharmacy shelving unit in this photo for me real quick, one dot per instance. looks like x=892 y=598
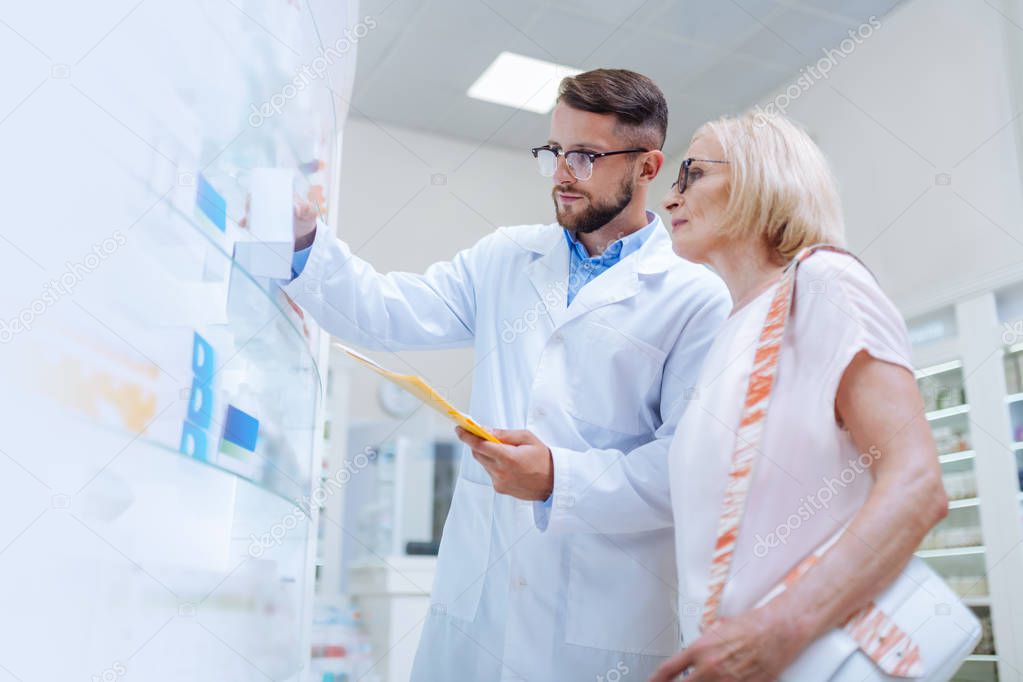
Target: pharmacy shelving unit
x=163 y=411
x=962 y=356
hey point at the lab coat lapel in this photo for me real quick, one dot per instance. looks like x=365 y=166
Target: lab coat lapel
x=623 y=280
x=611 y=286
x=549 y=276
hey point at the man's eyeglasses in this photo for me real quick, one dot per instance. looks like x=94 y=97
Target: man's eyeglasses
x=580 y=164
x=683 y=172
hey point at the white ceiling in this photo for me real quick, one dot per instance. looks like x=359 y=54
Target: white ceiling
x=709 y=56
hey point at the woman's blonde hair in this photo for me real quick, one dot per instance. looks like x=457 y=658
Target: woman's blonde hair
x=781 y=186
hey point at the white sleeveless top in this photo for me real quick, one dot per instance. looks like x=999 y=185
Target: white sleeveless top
x=809 y=478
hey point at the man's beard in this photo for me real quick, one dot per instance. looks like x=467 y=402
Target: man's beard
x=598 y=214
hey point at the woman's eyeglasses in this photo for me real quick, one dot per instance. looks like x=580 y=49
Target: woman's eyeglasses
x=683 y=173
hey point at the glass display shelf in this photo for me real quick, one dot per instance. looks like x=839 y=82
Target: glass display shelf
x=983 y=600
x=954 y=457
x=949 y=552
x=144 y=537
x=202 y=357
x=295 y=494
x=161 y=405
x=945 y=413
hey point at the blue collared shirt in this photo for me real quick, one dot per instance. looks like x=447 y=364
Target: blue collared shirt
x=584 y=268
x=299 y=260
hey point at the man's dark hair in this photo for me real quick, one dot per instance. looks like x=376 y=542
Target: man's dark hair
x=634 y=99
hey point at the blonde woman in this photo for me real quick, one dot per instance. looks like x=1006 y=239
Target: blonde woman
x=844 y=442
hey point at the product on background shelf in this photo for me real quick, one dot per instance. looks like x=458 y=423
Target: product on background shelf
x=1019 y=370
x=210 y=203
x=948 y=439
x=237 y=450
x=194 y=442
x=962 y=443
x=986 y=645
x=341 y=649
x=1013 y=379
x=944 y=537
x=960 y=485
x=927 y=391
x=949 y=395
x=942 y=391
x=968 y=585
x=268 y=224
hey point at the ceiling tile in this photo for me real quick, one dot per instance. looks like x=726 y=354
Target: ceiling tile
x=721 y=23
x=709 y=58
x=611 y=12
x=570 y=38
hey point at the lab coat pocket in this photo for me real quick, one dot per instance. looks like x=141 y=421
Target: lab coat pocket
x=614 y=381
x=622 y=593
x=464 y=551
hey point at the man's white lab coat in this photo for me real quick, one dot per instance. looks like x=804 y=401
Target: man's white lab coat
x=603 y=382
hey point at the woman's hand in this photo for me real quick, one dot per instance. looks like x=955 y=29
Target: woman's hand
x=755 y=646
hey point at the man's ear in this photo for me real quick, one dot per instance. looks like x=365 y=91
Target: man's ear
x=650 y=166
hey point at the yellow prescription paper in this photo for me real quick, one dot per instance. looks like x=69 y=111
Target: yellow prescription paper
x=424 y=392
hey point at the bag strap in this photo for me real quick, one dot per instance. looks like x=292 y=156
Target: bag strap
x=890 y=648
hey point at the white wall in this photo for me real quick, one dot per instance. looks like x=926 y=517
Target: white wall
x=394 y=216
x=927 y=94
